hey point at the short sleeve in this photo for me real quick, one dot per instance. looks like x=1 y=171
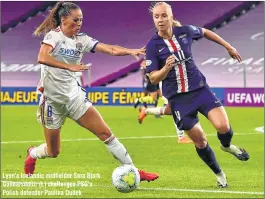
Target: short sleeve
x=151 y=58
x=90 y=44
x=51 y=39
x=195 y=32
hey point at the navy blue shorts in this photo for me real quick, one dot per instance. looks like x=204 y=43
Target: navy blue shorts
x=185 y=106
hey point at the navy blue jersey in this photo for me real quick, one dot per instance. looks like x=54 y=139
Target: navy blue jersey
x=185 y=75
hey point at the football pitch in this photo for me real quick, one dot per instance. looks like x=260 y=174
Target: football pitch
x=84 y=165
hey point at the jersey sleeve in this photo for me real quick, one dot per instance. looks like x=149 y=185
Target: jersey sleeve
x=90 y=44
x=151 y=58
x=195 y=32
x=51 y=39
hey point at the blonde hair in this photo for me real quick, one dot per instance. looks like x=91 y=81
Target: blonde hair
x=169 y=8
x=53 y=20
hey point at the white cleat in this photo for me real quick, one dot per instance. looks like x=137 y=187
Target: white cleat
x=221 y=180
x=239 y=153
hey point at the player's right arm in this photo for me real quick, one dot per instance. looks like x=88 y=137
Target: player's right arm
x=45 y=57
x=152 y=65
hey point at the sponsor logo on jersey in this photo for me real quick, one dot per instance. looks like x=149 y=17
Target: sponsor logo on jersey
x=182 y=36
x=69 y=52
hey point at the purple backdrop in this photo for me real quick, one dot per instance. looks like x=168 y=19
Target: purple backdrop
x=109 y=22
x=13 y=10
x=242 y=33
x=249 y=97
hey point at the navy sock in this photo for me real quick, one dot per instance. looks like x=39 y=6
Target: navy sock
x=226 y=138
x=156 y=102
x=208 y=157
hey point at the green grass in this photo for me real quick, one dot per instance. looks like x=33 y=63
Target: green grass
x=179 y=167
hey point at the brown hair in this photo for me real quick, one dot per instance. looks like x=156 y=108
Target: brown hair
x=53 y=20
x=151 y=8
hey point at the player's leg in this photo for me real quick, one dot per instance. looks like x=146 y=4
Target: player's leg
x=51 y=121
x=154 y=96
x=215 y=112
x=160 y=101
x=205 y=152
x=188 y=120
x=219 y=119
x=88 y=117
x=143 y=112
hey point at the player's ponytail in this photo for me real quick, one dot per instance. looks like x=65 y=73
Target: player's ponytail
x=53 y=20
x=176 y=23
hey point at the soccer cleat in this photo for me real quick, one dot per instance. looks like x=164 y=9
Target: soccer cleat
x=221 y=180
x=184 y=140
x=136 y=102
x=141 y=115
x=144 y=176
x=29 y=165
x=239 y=153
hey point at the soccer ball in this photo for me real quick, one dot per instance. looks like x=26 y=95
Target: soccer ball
x=126 y=178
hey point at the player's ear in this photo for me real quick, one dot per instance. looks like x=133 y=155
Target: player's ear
x=63 y=19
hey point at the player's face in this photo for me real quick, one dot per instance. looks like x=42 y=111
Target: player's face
x=162 y=18
x=73 y=22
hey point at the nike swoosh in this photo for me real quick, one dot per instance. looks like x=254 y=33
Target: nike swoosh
x=161 y=49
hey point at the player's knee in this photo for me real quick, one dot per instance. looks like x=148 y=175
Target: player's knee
x=222 y=126
x=201 y=144
x=104 y=135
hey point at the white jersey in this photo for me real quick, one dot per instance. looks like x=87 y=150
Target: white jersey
x=60 y=85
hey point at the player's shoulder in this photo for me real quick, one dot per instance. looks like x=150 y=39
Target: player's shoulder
x=181 y=28
x=152 y=41
x=53 y=34
x=85 y=37
x=191 y=27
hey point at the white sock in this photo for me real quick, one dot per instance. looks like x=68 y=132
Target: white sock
x=118 y=150
x=180 y=133
x=39 y=152
x=153 y=111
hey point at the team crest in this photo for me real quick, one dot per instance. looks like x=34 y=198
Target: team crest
x=79 y=46
x=184 y=40
x=148 y=62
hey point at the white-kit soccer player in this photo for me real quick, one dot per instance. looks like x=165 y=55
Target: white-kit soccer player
x=60 y=55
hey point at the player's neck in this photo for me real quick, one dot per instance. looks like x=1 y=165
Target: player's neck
x=67 y=33
x=167 y=34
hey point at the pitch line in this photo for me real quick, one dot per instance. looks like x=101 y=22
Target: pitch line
x=120 y=138
x=204 y=191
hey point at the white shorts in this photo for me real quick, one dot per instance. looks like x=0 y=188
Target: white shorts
x=52 y=114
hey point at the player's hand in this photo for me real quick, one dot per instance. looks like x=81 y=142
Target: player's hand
x=234 y=54
x=78 y=67
x=137 y=52
x=170 y=62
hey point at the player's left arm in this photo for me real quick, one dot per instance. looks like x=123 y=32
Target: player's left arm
x=208 y=34
x=119 y=50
